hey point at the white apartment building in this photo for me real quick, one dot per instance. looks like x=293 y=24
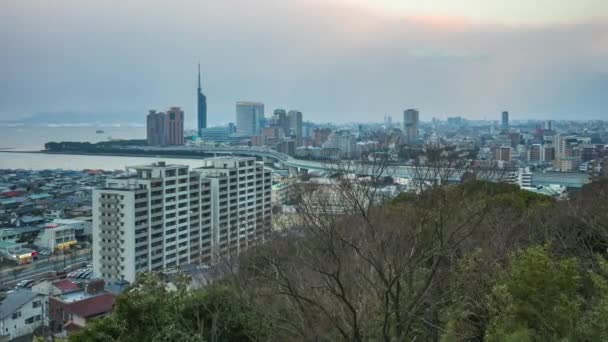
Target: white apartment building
x=161 y=216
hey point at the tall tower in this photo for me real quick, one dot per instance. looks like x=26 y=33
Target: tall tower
x=410 y=125
x=505 y=120
x=202 y=105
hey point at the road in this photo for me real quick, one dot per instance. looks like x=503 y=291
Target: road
x=40 y=268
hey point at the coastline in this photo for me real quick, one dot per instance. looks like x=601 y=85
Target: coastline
x=112 y=154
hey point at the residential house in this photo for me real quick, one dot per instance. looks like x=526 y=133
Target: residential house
x=72 y=311
x=21 y=312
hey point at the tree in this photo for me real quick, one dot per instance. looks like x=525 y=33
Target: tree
x=539 y=298
x=148 y=311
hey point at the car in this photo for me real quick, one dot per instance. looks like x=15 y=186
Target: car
x=25 y=283
x=74 y=274
x=85 y=274
x=22 y=283
x=77 y=274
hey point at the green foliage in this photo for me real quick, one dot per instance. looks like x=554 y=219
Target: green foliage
x=538 y=298
x=477 y=261
x=149 y=311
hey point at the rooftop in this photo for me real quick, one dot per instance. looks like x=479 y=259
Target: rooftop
x=66 y=286
x=93 y=305
x=14 y=300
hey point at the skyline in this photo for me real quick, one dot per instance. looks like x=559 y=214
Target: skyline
x=342 y=60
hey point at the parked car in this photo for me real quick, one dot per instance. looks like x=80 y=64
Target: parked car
x=25 y=283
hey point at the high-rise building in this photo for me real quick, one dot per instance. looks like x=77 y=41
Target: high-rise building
x=162 y=216
x=201 y=105
x=559 y=141
x=549 y=153
x=249 y=117
x=175 y=122
x=280 y=120
x=165 y=129
x=156 y=128
x=502 y=153
x=295 y=125
x=410 y=124
x=536 y=153
x=505 y=120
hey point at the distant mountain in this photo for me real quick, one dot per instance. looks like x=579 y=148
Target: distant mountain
x=74 y=118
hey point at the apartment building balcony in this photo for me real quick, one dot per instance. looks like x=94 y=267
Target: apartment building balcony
x=108 y=201
x=109 y=218
x=110 y=271
x=110 y=254
x=108 y=236
x=108 y=227
x=109 y=210
x=112 y=244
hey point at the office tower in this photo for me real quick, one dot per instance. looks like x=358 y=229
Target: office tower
x=548 y=125
x=280 y=120
x=249 y=117
x=165 y=129
x=505 y=120
x=156 y=128
x=162 y=216
x=295 y=125
x=202 y=105
x=410 y=125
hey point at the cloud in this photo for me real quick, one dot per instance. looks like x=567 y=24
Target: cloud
x=334 y=61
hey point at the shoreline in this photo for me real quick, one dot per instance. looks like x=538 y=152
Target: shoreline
x=111 y=154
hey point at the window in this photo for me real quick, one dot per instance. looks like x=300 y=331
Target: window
x=36 y=304
x=29 y=320
x=16 y=315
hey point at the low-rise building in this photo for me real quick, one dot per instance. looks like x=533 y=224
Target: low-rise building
x=21 y=312
x=72 y=311
x=15 y=252
x=55 y=237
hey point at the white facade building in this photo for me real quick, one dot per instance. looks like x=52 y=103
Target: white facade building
x=55 y=237
x=161 y=216
x=21 y=312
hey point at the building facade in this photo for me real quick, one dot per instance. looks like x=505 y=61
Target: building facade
x=249 y=118
x=161 y=216
x=295 y=125
x=201 y=105
x=410 y=125
x=22 y=311
x=165 y=129
x=505 y=120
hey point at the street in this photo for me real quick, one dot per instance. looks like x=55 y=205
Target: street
x=41 y=267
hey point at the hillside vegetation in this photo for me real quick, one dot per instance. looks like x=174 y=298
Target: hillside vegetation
x=471 y=262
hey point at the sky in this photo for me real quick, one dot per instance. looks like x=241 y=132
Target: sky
x=334 y=60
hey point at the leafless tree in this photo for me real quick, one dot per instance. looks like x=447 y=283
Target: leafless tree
x=355 y=270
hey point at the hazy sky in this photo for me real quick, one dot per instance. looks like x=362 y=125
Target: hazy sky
x=335 y=60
